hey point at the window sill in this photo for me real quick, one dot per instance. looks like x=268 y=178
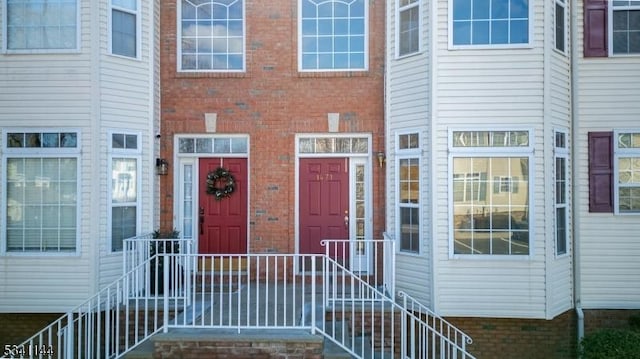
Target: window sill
x=329 y=74
x=209 y=74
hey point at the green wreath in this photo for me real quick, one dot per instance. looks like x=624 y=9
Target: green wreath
x=220 y=183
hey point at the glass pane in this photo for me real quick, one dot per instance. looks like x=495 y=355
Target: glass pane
x=117 y=140
x=222 y=145
x=124 y=180
x=15 y=140
x=204 y=145
x=186 y=145
x=239 y=145
x=50 y=140
x=131 y=141
x=33 y=140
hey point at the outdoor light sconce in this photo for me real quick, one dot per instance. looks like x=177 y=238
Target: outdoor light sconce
x=381 y=159
x=162 y=166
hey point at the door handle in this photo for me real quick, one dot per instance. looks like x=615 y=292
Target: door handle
x=201 y=220
x=346 y=219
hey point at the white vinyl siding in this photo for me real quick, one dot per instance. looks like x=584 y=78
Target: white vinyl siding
x=607 y=99
x=408 y=111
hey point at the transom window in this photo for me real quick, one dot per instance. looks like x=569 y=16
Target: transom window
x=490 y=22
x=124 y=27
x=627 y=172
x=625 y=25
x=333 y=35
x=211 y=34
x=408 y=27
x=41 y=25
x=494 y=222
x=41 y=192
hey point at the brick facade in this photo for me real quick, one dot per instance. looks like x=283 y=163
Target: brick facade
x=498 y=338
x=18 y=327
x=271 y=102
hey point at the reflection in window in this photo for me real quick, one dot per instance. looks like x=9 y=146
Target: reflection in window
x=628 y=172
x=125 y=169
x=333 y=34
x=490 y=22
x=41 y=204
x=408 y=27
x=212 y=35
x=490 y=221
x=409 y=198
x=41 y=25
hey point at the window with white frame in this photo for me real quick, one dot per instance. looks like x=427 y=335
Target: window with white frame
x=625 y=27
x=490 y=222
x=560 y=25
x=561 y=180
x=125 y=183
x=41 y=191
x=627 y=172
x=41 y=25
x=489 y=22
x=408 y=203
x=408 y=27
x=211 y=35
x=333 y=35
x=125 y=22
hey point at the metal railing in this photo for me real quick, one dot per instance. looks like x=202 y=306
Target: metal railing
x=108 y=324
x=317 y=292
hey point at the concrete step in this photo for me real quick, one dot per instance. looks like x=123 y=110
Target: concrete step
x=143 y=351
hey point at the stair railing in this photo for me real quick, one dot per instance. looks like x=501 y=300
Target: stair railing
x=108 y=324
x=364 y=321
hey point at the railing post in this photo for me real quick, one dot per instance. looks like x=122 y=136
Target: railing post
x=165 y=287
x=68 y=340
x=313 y=295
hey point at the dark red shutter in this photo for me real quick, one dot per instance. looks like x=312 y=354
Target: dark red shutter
x=595 y=28
x=600 y=172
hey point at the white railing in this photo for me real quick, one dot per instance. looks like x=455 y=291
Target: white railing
x=107 y=325
x=315 y=292
x=436 y=334
x=373 y=260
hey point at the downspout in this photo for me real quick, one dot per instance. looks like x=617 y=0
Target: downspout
x=575 y=157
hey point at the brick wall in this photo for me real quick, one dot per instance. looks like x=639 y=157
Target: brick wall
x=497 y=338
x=15 y=328
x=271 y=102
x=598 y=319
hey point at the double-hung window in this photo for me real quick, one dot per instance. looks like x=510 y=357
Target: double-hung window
x=211 y=35
x=560 y=28
x=408 y=203
x=125 y=27
x=489 y=22
x=490 y=192
x=125 y=187
x=333 y=35
x=40 y=26
x=408 y=27
x=41 y=203
x=561 y=194
x=627 y=172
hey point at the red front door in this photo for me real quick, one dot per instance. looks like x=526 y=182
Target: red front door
x=324 y=202
x=222 y=223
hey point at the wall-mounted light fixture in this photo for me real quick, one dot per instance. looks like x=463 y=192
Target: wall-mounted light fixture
x=381 y=159
x=162 y=166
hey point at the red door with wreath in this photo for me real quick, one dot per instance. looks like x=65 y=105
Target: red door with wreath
x=222 y=218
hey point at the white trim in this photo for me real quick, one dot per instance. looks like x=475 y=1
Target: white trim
x=562 y=152
x=366 y=42
x=368 y=205
x=123 y=153
x=399 y=9
x=49 y=152
x=527 y=45
x=138 y=15
x=617 y=153
x=562 y=3
x=179 y=43
x=635 y=6
x=5 y=21
x=356 y=158
x=182 y=159
x=472 y=152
